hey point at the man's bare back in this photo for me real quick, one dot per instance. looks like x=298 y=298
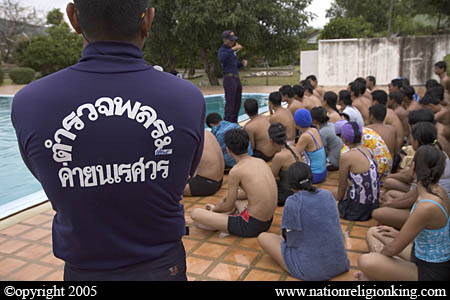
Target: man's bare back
x=388 y=134
x=394 y=120
x=295 y=105
x=284 y=116
x=363 y=108
x=212 y=163
x=257 y=181
x=314 y=100
x=258 y=131
x=402 y=114
x=445 y=82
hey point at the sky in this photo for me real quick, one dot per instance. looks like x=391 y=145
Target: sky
x=318 y=7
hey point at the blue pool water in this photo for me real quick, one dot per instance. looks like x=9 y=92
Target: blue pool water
x=20 y=190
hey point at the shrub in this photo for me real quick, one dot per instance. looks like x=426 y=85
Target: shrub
x=22 y=75
x=1 y=75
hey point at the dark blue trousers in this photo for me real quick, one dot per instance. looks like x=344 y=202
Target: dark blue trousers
x=233 y=98
x=171 y=267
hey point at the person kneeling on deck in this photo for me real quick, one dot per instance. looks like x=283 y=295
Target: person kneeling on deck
x=257 y=130
x=209 y=177
x=252 y=193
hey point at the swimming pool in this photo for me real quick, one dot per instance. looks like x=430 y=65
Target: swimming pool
x=19 y=190
x=216 y=103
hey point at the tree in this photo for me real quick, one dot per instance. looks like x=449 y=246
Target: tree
x=15 y=20
x=377 y=13
x=55 y=17
x=48 y=53
x=343 y=28
x=267 y=29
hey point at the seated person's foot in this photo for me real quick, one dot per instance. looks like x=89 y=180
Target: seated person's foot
x=360 y=276
x=204 y=227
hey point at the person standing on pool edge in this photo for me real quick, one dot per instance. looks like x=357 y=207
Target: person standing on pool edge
x=113 y=142
x=231 y=81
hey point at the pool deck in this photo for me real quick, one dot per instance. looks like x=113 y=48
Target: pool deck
x=26 y=242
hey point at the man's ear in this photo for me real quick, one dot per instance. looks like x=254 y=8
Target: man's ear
x=72 y=14
x=147 y=22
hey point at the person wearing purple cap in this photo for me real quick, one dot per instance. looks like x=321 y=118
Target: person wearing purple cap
x=311 y=144
x=357 y=201
x=231 y=81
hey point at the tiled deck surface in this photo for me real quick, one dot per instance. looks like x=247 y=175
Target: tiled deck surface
x=26 y=249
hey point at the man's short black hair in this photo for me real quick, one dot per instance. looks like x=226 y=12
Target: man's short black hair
x=378 y=111
x=275 y=99
x=363 y=85
x=251 y=107
x=320 y=115
x=437 y=92
x=307 y=86
x=312 y=77
x=299 y=91
x=112 y=19
x=441 y=65
x=398 y=82
x=345 y=97
x=431 y=83
x=212 y=119
x=421 y=115
x=287 y=90
x=408 y=91
x=237 y=141
x=357 y=87
x=373 y=79
x=429 y=99
x=396 y=96
x=380 y=96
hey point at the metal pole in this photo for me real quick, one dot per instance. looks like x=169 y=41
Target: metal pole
x=391 y=8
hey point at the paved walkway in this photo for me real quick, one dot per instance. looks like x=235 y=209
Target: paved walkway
x=26 y=249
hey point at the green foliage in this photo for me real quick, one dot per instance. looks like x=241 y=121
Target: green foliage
x=342 y=28
x=447 y=60
x=377 y=13
x=188 y=33
x=22 y=75
x=55 y=17
x=2 y=75
x=49 y=53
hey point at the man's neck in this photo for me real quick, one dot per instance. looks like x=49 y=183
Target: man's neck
x=240 y=158
x=277 y=108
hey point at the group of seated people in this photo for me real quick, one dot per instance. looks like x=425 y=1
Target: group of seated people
x=391 y=152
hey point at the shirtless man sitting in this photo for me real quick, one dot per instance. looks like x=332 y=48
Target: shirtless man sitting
x=366 y=94
x=252 y=190
x=395 y=103
x=299 y=95
x=381 y=97
x=209 y=176
x=279 y=114
x=387 y=132
x=358 y=101
x=309 y=93
x=371 y=83
x=257 y=130
x=440 y=69
x=318 y=91
x=409 y=103
x=288 y=96
x=441 y=113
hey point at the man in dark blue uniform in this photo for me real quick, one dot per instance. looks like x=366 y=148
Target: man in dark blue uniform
x=231 y=82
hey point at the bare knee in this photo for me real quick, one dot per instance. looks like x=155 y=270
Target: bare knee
x=366 y=262
x=262 y=238
x=377 y=214
x=372 y=232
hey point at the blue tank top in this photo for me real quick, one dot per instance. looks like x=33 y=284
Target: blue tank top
x=318 y=158
x=433 y=245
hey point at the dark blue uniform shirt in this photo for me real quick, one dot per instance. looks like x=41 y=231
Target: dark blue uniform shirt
x=229 y=60
x=112 y=141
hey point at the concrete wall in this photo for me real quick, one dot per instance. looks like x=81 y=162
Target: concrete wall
x=309 y=64
x=341 y=61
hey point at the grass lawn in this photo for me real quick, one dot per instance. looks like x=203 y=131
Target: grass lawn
x=254 y=81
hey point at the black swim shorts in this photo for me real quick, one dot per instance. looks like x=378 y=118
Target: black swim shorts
x=244 y=225
x=202 y=187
